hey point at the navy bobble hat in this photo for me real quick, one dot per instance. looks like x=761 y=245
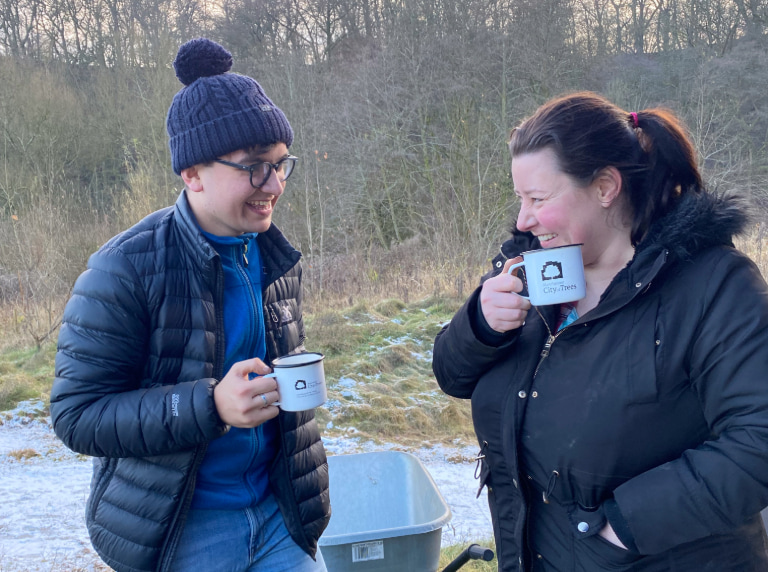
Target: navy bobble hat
x=217 y=111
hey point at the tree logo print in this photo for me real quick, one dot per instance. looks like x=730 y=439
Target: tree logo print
x=552 y=270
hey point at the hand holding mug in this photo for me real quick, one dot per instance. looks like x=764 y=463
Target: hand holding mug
x=246 y=402
x=502 y=306
x=300 y=381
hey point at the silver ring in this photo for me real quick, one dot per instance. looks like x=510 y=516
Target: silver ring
x=264 y=397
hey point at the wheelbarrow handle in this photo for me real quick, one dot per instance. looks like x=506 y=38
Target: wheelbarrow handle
x=471 y=552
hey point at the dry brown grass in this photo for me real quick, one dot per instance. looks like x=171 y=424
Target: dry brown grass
x=387 y=278
x=23 y=454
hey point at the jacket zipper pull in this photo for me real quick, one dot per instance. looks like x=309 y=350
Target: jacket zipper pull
x=478 y=472
x=550 y=487
x=278 y=324
x=547 y=345
x=245 y=251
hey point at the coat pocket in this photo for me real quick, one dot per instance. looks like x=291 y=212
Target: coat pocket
x=592 y=551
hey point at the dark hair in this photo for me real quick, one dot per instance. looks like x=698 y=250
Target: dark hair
x=588 y=133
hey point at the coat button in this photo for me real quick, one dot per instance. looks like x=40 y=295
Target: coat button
x=534 y=394
x=514 y=482
x=583 y=527
x=522 y=394
x=498 y=264
x=638 y=285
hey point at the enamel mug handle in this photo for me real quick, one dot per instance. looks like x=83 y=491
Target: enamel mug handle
x=513 y=267
x=273 y=374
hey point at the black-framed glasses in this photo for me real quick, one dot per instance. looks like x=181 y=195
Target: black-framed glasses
x=260 y=172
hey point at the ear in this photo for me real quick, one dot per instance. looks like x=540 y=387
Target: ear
x=191 y=178
x=607 y=185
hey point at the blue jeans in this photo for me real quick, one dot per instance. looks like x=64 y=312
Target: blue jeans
x=254 y=539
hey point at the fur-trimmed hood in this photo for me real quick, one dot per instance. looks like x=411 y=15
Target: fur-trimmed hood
x=700 y=220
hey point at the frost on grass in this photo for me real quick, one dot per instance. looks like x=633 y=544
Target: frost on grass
x=43 y=489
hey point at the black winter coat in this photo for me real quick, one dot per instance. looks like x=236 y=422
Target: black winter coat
x=651 y=410
x=140 y=350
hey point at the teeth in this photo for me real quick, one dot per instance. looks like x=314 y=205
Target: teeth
x=260 y=203
x=545 y=237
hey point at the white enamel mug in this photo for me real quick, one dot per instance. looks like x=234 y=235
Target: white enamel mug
x=300 y=381
x=553 y=275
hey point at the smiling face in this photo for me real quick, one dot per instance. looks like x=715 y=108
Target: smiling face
x=560 y=211
x=222 y=198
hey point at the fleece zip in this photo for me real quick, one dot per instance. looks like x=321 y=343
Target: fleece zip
x=234 y=471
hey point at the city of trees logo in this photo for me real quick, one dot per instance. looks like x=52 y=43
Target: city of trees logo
x=552 y=270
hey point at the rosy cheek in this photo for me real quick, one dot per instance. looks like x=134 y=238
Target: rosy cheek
x=547 y=218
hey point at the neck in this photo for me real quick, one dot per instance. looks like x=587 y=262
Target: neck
x=600 y=273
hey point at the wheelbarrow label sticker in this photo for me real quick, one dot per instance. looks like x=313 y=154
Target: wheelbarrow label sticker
x=364 y=551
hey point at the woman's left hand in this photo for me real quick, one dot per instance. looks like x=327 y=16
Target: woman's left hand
x=608 y=533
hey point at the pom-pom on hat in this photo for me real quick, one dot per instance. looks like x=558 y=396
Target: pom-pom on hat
x=217 y=111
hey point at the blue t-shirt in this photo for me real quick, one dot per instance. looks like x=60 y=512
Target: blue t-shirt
x=234 y=471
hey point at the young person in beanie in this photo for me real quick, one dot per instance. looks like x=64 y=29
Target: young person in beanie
x=164 y=342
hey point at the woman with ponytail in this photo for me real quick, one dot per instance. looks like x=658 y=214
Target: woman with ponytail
x=638 y=440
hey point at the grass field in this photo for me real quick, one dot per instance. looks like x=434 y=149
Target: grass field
x=378 y=370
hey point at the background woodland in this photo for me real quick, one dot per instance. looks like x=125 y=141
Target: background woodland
x=401 y=108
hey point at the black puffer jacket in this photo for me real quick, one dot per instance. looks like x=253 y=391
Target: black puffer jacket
x=651 y=411
x=140 y=349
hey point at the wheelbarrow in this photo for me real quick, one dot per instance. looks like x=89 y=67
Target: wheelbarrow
x=387 y=516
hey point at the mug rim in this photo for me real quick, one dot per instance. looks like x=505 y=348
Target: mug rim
x=276 y=362
x=537 y=250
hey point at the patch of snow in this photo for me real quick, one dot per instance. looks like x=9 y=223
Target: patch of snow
x=426 y=356
x=346 y=382
x=402 y=340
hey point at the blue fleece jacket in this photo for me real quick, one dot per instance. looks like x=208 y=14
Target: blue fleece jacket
x=234 y=471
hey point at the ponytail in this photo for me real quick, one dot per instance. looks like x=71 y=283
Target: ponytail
x=671 y=170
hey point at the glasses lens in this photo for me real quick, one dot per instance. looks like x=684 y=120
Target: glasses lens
x=286 y=168
x=260 y=174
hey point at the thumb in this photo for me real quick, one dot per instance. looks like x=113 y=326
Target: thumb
x=254 y=365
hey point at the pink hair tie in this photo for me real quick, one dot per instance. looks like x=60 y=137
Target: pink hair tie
x=635 y=124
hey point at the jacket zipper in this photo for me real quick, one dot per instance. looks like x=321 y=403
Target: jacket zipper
x=251 y=296
x=548 y=344
x=168 y=550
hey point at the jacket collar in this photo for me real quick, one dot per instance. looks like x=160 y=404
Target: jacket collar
x=277 y=254
x=200 y=248
x=700 y=221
